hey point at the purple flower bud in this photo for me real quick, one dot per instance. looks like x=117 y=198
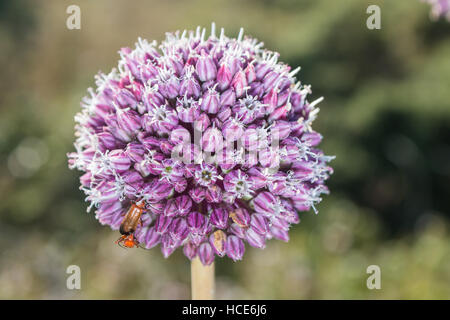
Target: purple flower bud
x=211 y=101
x=269 y=158
x=169 y=86
x=202 y=122
x=173 y=170
x=153 y=98
x=190 y=250
x=297 y=129
x=107 y=212
x=255 y=239
x=224 y=77
x=183 y=205
x=179 y=185
x=281 y=129
x=197 y=222
x=188 y=110
x=205 y=253
x=208 y=85
x=180 y=135
x=270 y=80
x=235 y=64
x=157 y=190
x=166 y=147
x=125 y=98
x=149 y=166
x=237 y=230
x=218 y=241
x=103 y=110
x=283 y=97
x=119 y=161
x=168 y=245
x=206 y=68
x=224 y=114
x=104 y=194
x=258 y=179
x=106 y=141
x=250 y=73
x=250 y=138
x=261 y=70
x=133 y=183
x=148 y=236
x=301 y=169
x=264 y=203
x=228 y=98
x=189 y=170
x=163 y=119
x=213 y=194
x=86 y=179
x=249 y=109
x=279 y=222
x=197 y=194
x=147 y=72
x=280 y=113
x=131 y=64
x=190 y=87
x=95 y=122
x=279 y=234
x=227 y=158
x=239 y=83
x=212 y=140
x=235 y=248
x=296 y=100
x=219 y=218
x=289 y=213
x=277 y=185
x=198 y=225
x=156 y=207
x=241 y=217
x=178 y=230
x=311 y=138
x=116 y=131
x=175 y=64
x=162 y=224
x=170 y=209
x=115 y=222
x=135 y=151
x=259 y=223
x=292 y=153
x=129 y=122
x=150 y=143
x=256 y=90
x=283 y=83
x=232 y=129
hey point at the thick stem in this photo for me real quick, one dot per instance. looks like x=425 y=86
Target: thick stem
x=202 y=280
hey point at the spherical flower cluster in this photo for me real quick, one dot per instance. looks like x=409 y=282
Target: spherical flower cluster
x=212 y=134
x=439 y=8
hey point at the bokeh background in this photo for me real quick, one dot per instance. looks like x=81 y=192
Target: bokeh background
x=386 y=116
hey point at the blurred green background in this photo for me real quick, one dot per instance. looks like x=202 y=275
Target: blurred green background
x=386 y=116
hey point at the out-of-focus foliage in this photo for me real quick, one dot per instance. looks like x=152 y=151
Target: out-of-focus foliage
x=386 y=116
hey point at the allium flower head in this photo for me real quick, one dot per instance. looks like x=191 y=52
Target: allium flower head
x=211 y=135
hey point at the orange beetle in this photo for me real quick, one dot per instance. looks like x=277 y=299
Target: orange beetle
x=129 y=225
